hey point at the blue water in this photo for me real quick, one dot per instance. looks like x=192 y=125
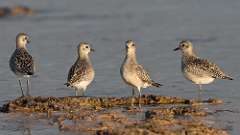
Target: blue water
x=156 y=26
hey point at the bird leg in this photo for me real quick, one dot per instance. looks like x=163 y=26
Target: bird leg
x=19 y=81
x=200 y=87
x=79 y=92
x=28 y=87
x=139 y=98
x=76 y=93
x=199 y=92
x=133 y=92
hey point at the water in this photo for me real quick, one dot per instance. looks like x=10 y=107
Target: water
x=156 y=25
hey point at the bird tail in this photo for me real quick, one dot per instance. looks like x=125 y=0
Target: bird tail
x=30 y=73
x=227 y=77
x=156 y=84
x=67 y=84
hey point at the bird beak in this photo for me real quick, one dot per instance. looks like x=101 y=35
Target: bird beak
x=178 y=48
x=92 y=50
x=28 y=41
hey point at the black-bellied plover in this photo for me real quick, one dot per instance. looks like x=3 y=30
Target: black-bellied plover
x=81 y=74
x=134 y=74
x=21 y=62
x=199 y=71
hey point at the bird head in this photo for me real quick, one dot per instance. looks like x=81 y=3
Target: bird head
x=22 y=40
x=84 y=48
x=185 y=46
x=130 y=46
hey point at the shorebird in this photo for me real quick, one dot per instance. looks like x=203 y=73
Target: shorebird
x=21 y=62
x=134 y=74
x=81 y=74
x=199 y=71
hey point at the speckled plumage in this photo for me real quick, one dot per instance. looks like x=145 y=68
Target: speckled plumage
x=199 y=71
x=132 y=73
x=202 y=67
x=80 y=71
x=81 y=74
x=21 y=62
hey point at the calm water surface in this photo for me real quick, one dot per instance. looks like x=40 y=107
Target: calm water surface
x=156 y=25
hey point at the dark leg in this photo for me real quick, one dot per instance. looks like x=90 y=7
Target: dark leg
x=133 y=92
x=28 y=87
x=133 y=99
x=19 y=81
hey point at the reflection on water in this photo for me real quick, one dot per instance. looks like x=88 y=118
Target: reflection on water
x=156 y=26
x=26 y=131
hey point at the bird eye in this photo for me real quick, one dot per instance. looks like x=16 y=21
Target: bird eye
x=133 y=44
x=87 y=47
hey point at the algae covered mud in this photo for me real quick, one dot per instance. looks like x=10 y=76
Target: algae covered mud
x=57 y=26
x=93 y=115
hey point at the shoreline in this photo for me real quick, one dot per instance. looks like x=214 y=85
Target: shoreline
x=102 y=115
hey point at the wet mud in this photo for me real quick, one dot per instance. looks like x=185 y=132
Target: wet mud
x=120 y=116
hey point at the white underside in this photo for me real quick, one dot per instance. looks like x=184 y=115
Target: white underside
x=145 y=85
x=82 y=85
x=23 y=76
x=135 y=82
x=199 y=79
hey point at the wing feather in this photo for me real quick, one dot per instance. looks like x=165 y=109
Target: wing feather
x=204 y=67
x=22 y=62
x=142 y=74
x=78 y=72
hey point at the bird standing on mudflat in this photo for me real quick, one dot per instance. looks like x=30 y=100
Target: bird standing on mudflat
x=81 y=74
x=134 y=74
x=21 y=62
x=199 y=71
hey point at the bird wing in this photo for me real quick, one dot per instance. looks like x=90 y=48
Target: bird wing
x=77 y=72
x=204 y=67
x=23 y=62
x=142 y=74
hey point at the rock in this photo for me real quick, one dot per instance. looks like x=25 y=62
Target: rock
x=15 y=11
x=176 y=111
x=109 y=115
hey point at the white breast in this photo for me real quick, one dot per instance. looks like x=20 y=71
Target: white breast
x=199 y=79
x=81 y=85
